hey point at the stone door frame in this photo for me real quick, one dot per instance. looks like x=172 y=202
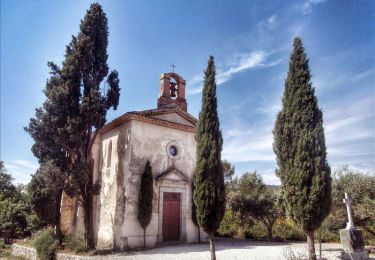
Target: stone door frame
x=180 y=187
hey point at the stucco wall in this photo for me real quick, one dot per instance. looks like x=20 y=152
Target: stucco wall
x=117 y=204
x=149 y=142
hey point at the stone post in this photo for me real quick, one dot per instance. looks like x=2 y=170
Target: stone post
x=348 y=203
x=351 y=237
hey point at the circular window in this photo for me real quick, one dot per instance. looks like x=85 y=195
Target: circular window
x=173 y=150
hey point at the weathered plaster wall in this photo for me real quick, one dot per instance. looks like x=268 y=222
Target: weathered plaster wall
x=150 y=142
x=133 y=144
x=106 y=202
x=110 y=204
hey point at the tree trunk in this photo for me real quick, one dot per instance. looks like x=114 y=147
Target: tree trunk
x=58 y=216
x=144 y=238
x=89 y=234
x=310 y=244
x=212 y=247
x=269 y=233
x=199 y=234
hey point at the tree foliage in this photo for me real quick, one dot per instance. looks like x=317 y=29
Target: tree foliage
x=300 y=148
x=252 y=201
x=7 y=188
x=194 y=212
x=145 y=199
x=360 y=186
x=209 y=192
x=65 y=128
x=12 y=217
x=16 y=215
x=228 y=171
x=45 y=190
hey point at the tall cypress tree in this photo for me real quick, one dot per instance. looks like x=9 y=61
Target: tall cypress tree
x=91 y=54
x=65 y=128
x=300 y=148
x=209 y=192
x=145 y=199
x=194 y=213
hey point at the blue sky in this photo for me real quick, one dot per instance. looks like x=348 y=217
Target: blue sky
x=251 y=42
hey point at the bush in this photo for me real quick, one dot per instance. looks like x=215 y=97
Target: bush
x=46 y=244
x=288 y=230
x=328 y=236
x=75 y=243
x=228 y=226
x=256 y=231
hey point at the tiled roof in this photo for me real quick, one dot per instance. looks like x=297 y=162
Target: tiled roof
x=147 y=116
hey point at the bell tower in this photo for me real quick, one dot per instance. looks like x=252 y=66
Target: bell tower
x=172 y=91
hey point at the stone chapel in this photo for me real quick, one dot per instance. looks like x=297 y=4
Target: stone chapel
x=165 y=137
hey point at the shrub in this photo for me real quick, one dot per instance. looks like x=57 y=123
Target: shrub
x=46 y=244
x=75 y=243
x=256 y=231
x=228 y=226
x=328 y=236
x=288 y=230
x=2 y=245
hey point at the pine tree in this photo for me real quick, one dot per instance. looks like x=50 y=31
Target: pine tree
x=65 y=128
x=300 y=148
x=145 y=200
x=209 y=192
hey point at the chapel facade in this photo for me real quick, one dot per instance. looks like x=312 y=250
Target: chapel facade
x=165 y=137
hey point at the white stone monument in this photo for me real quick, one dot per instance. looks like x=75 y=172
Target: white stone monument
x=351 y=237
x=348 y=202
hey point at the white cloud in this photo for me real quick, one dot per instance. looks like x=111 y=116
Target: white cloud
x=249 y=147
x=242 y=62
x=308 y=5
x=269 y=177
x=250 y=141
x=350 y=134
x=349 y=128
x=330 y=80
x=271 y=20
x=21 y=169
x=237 y=63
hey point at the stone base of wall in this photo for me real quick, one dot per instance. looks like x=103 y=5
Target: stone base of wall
x=30 y=253
x=26 y=252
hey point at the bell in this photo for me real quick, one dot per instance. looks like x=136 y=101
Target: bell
x=173 y=89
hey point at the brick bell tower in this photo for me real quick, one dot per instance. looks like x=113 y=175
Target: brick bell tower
x=172 y=91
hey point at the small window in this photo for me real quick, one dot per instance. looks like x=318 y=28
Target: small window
x=173 y=150
x=109 y=154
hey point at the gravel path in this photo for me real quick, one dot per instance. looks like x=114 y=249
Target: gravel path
x=230 y=249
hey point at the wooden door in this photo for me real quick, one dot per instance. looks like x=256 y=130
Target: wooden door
x=171 y=216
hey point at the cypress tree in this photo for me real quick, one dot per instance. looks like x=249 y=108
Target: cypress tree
x=145 y=199
x=51 y=142
x=91 y=55
x=209 y=192
x=65 y=128
x=299 y=145
x=194 y=213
